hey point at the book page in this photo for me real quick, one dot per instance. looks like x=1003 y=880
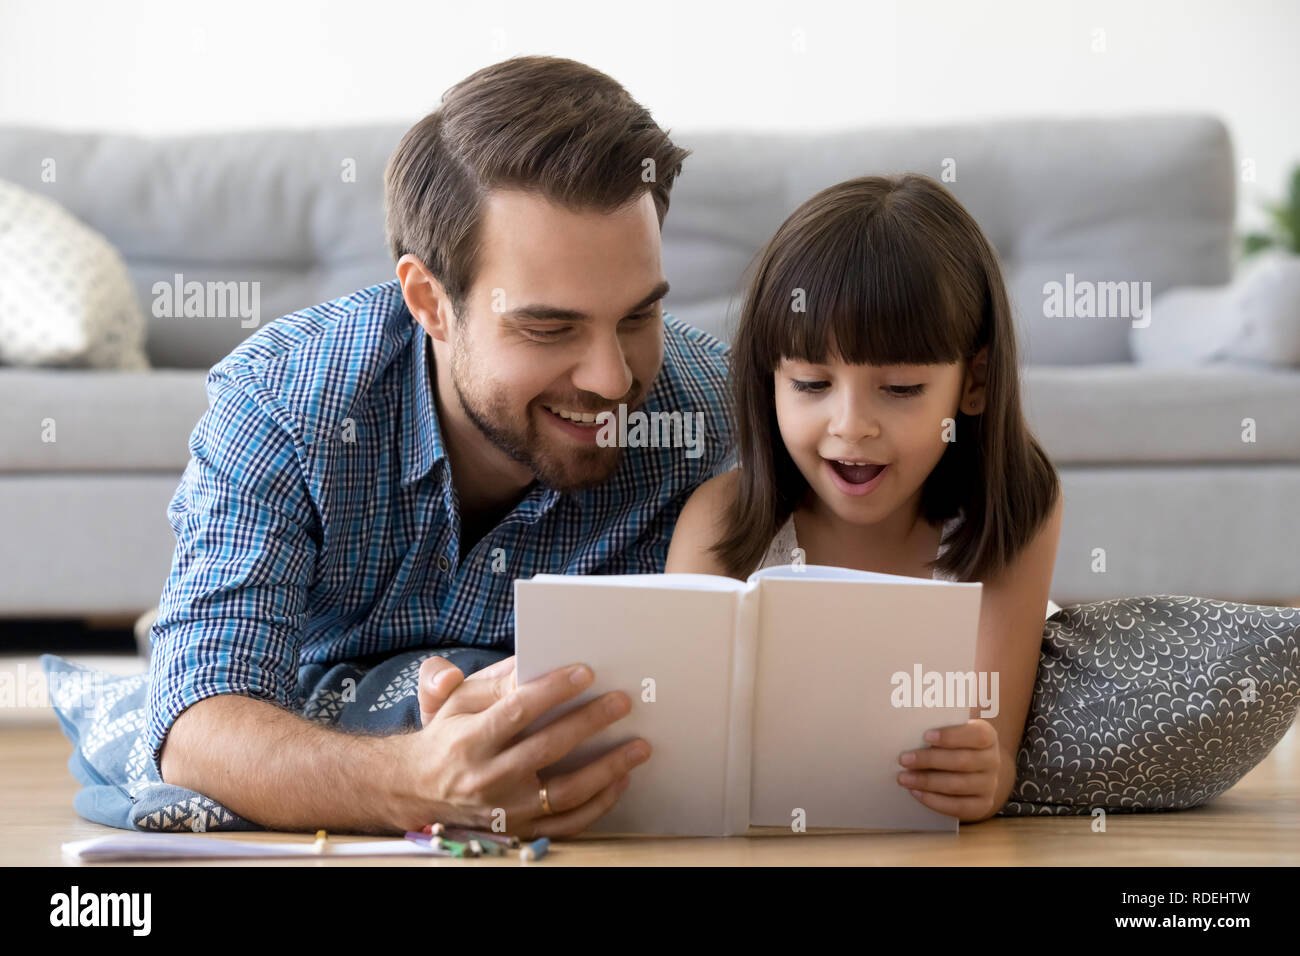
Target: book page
x=683 y=582
x=827 y=733
x=670 y=649
x=822 y=572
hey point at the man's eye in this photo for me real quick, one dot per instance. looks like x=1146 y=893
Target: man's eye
x=550 y=335
x=802 y=386
x=903 y=391
x=545 y=335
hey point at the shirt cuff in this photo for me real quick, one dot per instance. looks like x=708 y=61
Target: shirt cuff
x=176 y=684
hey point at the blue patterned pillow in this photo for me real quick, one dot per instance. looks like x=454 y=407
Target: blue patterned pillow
x=1154 y=703
x=104 y=717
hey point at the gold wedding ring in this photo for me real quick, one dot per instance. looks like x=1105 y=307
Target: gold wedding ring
x=546 y=804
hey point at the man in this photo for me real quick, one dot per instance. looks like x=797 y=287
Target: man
x=373 y=473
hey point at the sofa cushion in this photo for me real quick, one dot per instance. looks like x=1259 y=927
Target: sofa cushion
x=1134 y=414
x=99 y=420
x=296 y=214
x=300 y=212
x=1116 y=199
x=1083 y=415
x=1255 y=319
x=65 y=296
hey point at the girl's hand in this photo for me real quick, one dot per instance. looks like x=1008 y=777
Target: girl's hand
x=958 y=774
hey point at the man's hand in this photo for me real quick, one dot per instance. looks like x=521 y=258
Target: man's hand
x=439 y=677
x=466 y=766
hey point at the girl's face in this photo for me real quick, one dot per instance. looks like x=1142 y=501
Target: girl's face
x=841 y=423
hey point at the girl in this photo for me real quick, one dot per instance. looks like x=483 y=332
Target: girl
x=878 y=426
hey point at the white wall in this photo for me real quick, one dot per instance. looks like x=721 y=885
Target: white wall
x=158 y=66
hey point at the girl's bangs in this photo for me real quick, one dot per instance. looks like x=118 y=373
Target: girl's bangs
x=869 y=298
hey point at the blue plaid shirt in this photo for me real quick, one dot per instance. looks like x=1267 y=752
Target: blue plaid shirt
x=316 y=520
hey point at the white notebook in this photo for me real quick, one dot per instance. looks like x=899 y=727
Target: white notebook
x=774 y=702
x=184 y=846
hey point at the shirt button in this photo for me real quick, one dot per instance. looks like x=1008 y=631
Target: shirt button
x=443 y=563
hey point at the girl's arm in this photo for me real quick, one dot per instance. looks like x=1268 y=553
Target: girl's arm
x=1010 y=638
x=969 y=770
x=698 y=527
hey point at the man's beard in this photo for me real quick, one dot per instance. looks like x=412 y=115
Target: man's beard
x=564 y=466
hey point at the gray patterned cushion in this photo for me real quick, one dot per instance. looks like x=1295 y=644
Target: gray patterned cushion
x=1154 y=703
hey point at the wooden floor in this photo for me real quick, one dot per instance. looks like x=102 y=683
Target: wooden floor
x=1256 y=823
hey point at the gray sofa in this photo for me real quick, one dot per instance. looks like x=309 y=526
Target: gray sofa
x=1155 y=472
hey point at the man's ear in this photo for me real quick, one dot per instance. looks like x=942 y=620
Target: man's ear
x=425 y=298
x=973 y=387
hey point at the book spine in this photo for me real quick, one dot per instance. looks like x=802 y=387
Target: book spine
x=740 y=737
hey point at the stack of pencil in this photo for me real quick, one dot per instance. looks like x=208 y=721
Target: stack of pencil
x=456 y=841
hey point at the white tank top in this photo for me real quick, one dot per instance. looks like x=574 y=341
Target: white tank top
x=781 y=551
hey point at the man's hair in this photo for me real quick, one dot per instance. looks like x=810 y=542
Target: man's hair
x=547 y=125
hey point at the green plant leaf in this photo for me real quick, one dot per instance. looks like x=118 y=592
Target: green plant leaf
x=1285 y=225
x=1253 y=242
x=1294 y=196
x=1290 y=219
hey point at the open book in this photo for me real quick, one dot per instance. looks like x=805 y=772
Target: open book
x=783 y=701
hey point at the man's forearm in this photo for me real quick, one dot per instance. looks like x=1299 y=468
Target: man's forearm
x=284 y=772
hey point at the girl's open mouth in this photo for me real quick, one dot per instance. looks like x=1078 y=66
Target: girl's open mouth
x=855 y=479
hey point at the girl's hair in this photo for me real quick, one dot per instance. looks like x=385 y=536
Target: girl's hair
x=891 y=271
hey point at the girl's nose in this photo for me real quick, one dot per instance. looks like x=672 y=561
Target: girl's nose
x=852 y=420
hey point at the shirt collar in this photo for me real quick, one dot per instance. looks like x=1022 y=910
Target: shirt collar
x=422 y=446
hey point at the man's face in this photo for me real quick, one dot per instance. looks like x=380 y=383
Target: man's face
x=564 y=317
x=890 y=415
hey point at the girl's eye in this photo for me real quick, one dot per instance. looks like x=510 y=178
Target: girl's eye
x=898 y=391
x=802 y=386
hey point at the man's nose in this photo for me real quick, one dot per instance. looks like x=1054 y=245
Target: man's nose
x=604 y=369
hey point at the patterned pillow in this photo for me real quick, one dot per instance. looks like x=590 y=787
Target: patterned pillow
x=1154 y=703
x=104 y=717
x=65 y=296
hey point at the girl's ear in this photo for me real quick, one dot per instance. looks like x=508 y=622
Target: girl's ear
x=973 y=394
